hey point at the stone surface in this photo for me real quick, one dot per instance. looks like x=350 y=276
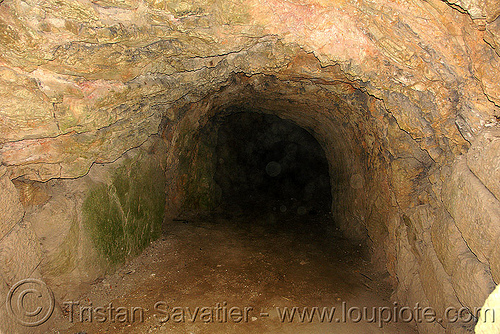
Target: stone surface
x=458 y=328
x=492 y=35
x=447 y=240
x=73 y=255
x=7 y=321
x=393 y=92
x=20 y=254
x=56 y=224
x=8 y=324
x=479 y=9
x=75 y=83
x=435 y=281
x=471 y=281
x=437 y=285
x=11 y=210
x=470 y=278
x=410 y=290
x=476 y=216
x=484 y=161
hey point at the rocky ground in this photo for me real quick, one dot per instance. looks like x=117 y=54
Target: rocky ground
x=274 y=260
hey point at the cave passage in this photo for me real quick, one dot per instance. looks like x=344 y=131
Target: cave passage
x=265 y=162
x=269 y=245
x=260 y=154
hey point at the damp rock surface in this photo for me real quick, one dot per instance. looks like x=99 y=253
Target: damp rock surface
x=108 y=109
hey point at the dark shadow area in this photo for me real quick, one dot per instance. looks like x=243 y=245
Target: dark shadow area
x=267 y=163
x=257 y=231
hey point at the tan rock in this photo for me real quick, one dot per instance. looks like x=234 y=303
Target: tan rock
x=20 y=254
x=447 y=241
x=392 y=90
x=484 y=161
x=470 y=278
x=476 y=213
x=471 y=281
x=11 y=210
x=435 y=282
x=410 y=291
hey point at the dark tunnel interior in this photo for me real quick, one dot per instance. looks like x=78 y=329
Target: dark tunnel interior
x=215 y=155
x=269 y=163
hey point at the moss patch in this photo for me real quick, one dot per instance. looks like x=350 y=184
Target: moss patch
x=125 y=216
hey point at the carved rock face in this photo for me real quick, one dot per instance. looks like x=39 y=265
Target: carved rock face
x=392 y=91
x=77 y=77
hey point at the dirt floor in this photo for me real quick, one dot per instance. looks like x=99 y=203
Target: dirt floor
x=237 y=274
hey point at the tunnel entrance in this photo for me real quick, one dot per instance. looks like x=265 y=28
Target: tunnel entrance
x=256 y=233
x=268 y=163
x=123 y=118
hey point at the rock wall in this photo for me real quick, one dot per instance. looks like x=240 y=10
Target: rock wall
x=70 y=232
x=403 y=98
x=20 y=252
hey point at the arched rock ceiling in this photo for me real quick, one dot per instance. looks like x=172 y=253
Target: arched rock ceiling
x=84 y=81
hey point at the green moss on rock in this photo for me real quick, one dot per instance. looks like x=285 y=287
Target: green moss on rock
x=125 y=216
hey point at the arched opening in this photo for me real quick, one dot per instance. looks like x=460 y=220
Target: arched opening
x=267 y=164
x=255 y=233
x=200 y=120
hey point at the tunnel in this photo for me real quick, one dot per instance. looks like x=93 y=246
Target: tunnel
x=242 y=166
x=265 y=162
